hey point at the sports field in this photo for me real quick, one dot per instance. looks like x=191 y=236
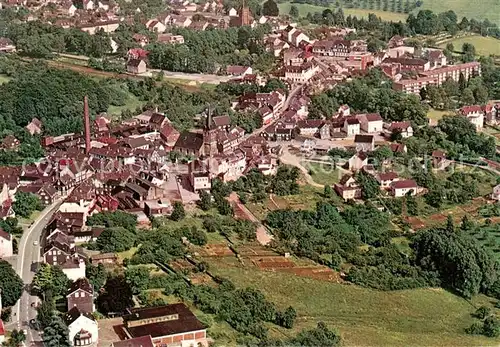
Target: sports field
x=478 y=10
x=365 y=317
x=305 y=8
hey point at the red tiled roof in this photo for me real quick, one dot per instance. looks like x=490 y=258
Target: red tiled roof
x=404 y=184
x=386 y=176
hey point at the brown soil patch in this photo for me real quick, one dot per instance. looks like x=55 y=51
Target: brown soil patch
x=181 y=265
x=273 y=263
x=416 y=223
x=319 y=273
x=200 y=278
x=255 y=250
x=216 y=250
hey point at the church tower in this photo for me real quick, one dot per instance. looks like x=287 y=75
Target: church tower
x=209 y=136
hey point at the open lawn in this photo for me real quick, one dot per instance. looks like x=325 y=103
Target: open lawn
x=484 y=45
x=365 y=317
x=4 y=79
x=360 y=13
x=436 y=115
x=131 y=103
x=478 y=10
x=322 y=173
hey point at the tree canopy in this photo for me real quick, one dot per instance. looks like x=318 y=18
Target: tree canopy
x=11 y=284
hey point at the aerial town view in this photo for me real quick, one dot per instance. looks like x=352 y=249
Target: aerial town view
x=195 y=173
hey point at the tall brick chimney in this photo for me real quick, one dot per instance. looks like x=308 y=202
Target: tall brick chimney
x=86 y=123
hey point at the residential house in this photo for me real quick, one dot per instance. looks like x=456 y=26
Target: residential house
x=101 y=124
x=189 y=143
x=325 y=131
x=171 y=325
x=136 y=66
x=104 y=258
x=6 y=249
x=170 y=38
x=199 y=176
x=495 y=194
x=348 y=188
x=300 y=74
x=309 y=127
x=352 y=126
x=141 y=39
x=34 y=127
x=438 y=157
x=357 y=161
x=398 y=148
x=403 y=128
x=385 y=179
x=364 y=143
x=169 y=134
x=475 y=114
x=370 y=122
x=402 y=187
x=82 y=327
x=155 y=26
x=6 y=45
x=238 y=70
x=10 y=143
x=81 y=295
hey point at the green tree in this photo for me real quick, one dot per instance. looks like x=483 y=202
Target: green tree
x=294 y=11
x=450 y=226
x=270 y=8
x=96 y=275
x=137 y=278
x=51 y=279
x=178 y=212
x=26 y=203
x=116 y=239
x=224 y=207
x=482 y=312
x=467 y=97
x=287 y=318
x=481 y=94
x=319 y=336
x=11 y=284
x=45 y=312
x=56 y=334
x=114 y=219
x=491 y=327
x=469 y=52
x=327 y=191
x=205 y=202
x=369 y=185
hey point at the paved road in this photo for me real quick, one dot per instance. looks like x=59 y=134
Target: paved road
x=28 y=256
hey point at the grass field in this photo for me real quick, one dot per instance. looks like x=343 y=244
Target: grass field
x=131 y=104
x=4 y=79
x=436 y=115
x=484 y=45
x=365 y=317
x=322 y=173
x=305 y=8
x=478 y=10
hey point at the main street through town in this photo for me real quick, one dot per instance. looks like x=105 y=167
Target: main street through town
x=27 y=260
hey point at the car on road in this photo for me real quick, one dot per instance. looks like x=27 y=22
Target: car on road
x=35 y=243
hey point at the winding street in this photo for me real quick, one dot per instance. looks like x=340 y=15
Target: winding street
x=27 y=259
